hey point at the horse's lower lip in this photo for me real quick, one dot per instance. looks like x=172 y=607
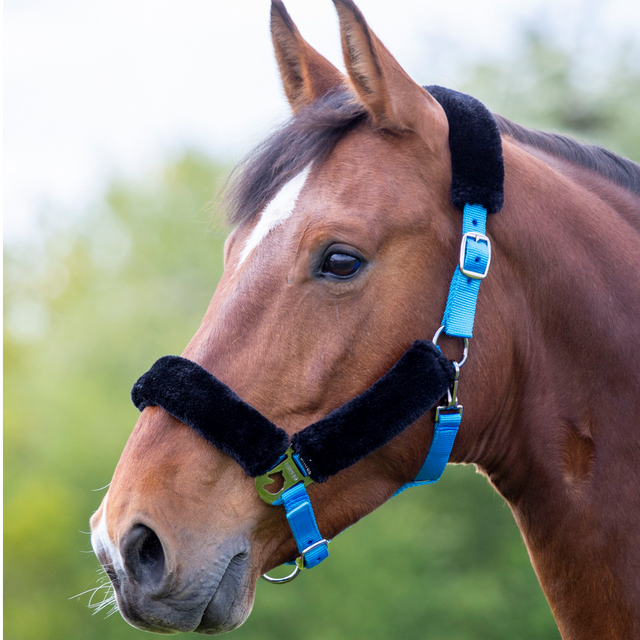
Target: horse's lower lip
x=225 y=610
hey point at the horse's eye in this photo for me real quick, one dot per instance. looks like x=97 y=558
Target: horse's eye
x=341 y=265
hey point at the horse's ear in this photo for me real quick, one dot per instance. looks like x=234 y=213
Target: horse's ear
x=306 y=75
x=394 y=100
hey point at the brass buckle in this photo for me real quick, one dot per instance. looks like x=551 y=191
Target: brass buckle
x=291 y=473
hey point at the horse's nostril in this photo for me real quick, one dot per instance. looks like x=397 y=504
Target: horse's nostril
x=143 y=555
x=151 y=553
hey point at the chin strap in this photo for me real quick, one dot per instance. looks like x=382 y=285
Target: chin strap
x=312 y=547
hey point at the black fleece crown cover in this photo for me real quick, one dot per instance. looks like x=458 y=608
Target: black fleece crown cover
x=348 y=434
x=477 y=165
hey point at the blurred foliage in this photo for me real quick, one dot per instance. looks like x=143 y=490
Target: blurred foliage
x=569 y=91
x=89 y=308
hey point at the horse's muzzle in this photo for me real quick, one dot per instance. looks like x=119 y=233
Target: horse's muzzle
x=155 y=592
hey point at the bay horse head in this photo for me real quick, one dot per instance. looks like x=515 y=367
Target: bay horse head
x=344 y=243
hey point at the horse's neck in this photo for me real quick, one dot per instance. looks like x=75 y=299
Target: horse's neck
x=566 y=445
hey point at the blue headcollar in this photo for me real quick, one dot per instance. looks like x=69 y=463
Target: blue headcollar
x=407 y=391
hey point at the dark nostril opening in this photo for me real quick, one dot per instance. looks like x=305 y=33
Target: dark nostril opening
x=143 y=555
x=151 y=553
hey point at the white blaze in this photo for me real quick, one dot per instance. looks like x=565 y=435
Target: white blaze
x=100 y=538
x=276 y=212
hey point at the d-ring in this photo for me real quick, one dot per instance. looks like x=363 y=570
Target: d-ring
x=289 y=578
x=465 y=343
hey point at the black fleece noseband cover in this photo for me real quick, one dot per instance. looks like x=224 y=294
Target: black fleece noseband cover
x=193 y=396
x=408 y=390
x=351 y=432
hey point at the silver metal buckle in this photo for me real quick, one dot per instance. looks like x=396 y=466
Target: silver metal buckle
x=478 y=237
x=448 y=410
x=311 y=548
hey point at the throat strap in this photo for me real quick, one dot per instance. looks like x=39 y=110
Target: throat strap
x=445 y=431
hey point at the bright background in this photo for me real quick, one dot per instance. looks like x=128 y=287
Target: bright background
x=122 y=120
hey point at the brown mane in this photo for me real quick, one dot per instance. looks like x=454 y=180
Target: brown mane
x=623 y=172
x=311 y=134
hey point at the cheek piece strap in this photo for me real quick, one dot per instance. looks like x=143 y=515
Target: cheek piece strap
x=413 y=386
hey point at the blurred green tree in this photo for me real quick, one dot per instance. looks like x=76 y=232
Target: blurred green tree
x=88 y=308
x=560 y=89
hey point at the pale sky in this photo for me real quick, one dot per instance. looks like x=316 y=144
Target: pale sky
x=97 y=88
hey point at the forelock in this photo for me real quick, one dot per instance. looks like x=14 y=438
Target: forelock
x=309 y=136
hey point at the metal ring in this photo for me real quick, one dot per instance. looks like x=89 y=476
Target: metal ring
x=437 y=335
x=289 y=578
x=465 y=351
x=465 y=342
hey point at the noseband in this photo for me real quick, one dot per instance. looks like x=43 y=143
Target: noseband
x=413 y=386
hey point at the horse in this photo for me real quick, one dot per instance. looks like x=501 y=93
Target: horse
x=345 y=239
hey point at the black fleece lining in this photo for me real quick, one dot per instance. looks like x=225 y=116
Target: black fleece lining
x=408 y=390
x=348 y=434
x=193 y=396
x=477 y=165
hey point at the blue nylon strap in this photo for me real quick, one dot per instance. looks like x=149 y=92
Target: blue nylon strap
x=303 y=525
x=457 y=321
x=463 y=293
x=444 y=435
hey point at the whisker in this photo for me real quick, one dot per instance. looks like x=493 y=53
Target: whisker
x=106 y=564
x=92 y=590
x=108 y=598
x=107 y=601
